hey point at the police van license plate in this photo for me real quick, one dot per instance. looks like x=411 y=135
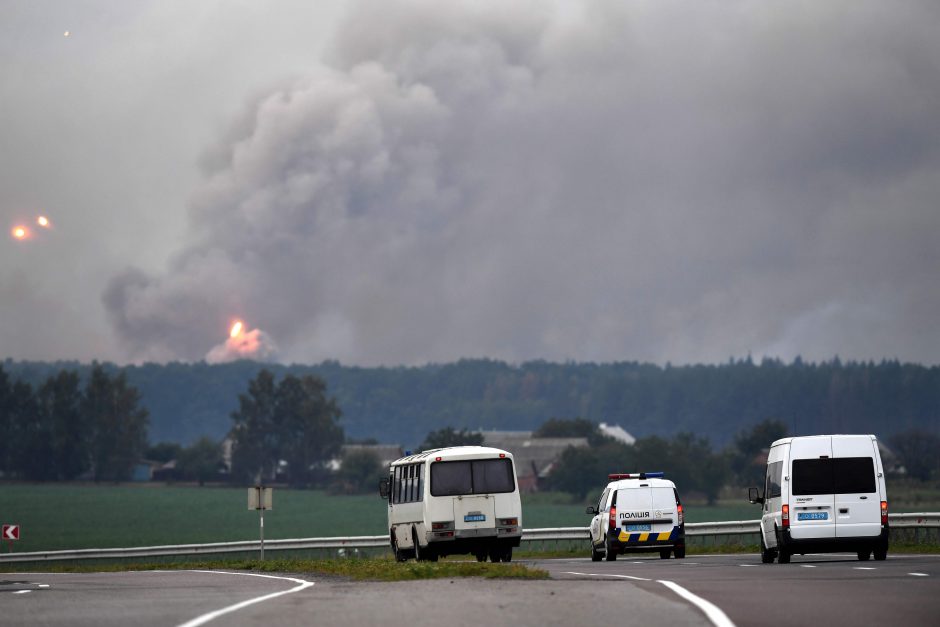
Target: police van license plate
x=639 y=527
x=812 y=516
x=474 y=518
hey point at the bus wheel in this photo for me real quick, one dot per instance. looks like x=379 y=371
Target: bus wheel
x=399 y=554
x=495 y=554
x=480 y=555
x=507 y=554
x=421 y=555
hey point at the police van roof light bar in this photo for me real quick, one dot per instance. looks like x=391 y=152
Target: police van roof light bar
x=636 y=475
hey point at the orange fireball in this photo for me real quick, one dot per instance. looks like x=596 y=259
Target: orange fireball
x=236 y=329
x=19 y=232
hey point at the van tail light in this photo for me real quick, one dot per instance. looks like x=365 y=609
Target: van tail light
x=884 y=512
x=613 y=517
x=785 y=515
x=681 y=515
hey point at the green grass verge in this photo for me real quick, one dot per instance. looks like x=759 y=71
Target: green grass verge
x=357 y=569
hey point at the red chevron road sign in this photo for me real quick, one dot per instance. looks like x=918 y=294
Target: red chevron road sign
x=11 y=532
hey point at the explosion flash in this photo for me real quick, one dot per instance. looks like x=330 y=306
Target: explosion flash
x=43 y=221
x=19 y=232
x=243 y=344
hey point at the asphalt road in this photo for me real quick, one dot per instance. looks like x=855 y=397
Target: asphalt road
x=702 y=590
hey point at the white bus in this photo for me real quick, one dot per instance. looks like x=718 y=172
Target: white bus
x=462 y=499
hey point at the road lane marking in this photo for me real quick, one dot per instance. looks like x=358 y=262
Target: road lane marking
x=807 y=566
x=22 y=592
x=205 y=618
x=919 y=574
x=712 y=611
x=863 y=568
x=748 y=565
x=607 y=575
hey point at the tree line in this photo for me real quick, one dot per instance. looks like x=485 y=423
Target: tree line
x=403 y=404
x=62 y=430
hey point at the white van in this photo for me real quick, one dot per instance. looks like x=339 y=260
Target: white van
x=637 y=512
x=823 y=494
x=462 y=499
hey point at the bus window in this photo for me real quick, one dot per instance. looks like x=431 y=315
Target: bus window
x=411 y=484
x=492 y=475
x=480 y=476
x=420 y=482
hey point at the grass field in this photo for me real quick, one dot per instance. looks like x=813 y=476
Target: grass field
x=68 y=516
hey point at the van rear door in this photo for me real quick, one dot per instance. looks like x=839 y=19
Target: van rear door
x=857 y=501
x=635 y=509
x=665 y=514
x=812 y=502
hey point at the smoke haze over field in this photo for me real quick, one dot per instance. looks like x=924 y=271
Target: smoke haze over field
x=664 y=181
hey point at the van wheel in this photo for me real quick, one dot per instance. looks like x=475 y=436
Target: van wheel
x=783 y=557
x=766 y=555
x=679 y=552
x=595 y=554
x=610 y=555
x=881 y=554
x=864 y=555
x=664 y=554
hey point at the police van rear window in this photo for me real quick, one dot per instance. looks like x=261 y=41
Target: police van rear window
x=843 y=475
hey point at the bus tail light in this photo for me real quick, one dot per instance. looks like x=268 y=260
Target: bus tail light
x=884 y=512
x=785 y=515
x=613 y=517
x=681 y=515
x=440 y=526
x=508 y=522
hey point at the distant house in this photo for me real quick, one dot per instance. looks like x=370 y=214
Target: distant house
x=535 y=457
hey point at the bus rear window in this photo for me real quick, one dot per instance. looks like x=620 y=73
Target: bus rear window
x=842 y=475
x=478 y=476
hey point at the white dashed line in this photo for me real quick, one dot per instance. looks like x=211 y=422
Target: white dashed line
x=863 y=568
x=748 y=565
x=205 y=618
x=807 y=566
x=918 y=574
x=22 y=592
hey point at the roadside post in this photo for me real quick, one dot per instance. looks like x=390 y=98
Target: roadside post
x=10 y=533
x=261 y=498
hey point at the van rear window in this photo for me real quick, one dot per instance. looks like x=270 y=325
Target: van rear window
x=843 y=475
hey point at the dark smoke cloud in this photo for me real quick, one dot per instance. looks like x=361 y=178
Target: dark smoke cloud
x=662 y=181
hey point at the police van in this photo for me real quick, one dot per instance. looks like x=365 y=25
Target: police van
x=462 y=499
x=823 y=494
x=637 y=512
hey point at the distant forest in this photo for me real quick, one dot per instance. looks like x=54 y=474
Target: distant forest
x=403 y=404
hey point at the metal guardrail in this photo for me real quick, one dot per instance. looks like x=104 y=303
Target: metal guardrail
x=926 y=520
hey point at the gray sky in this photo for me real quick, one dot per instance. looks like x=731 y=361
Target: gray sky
x=404 y=182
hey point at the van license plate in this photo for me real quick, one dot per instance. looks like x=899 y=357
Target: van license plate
x=812 y=516
x=474 y=518
x=639 y=527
